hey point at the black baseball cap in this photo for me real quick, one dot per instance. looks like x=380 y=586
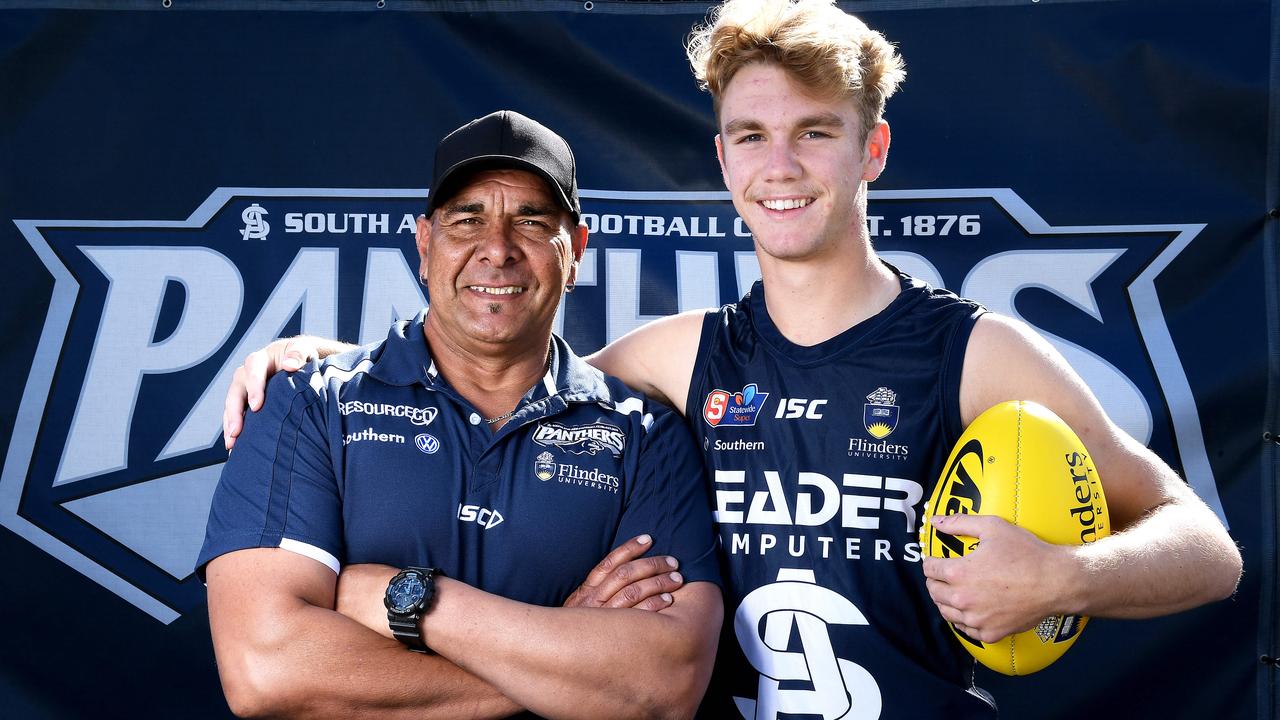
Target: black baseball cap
x=500 y=141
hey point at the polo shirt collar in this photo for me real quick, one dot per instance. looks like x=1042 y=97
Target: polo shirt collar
x=404 y=359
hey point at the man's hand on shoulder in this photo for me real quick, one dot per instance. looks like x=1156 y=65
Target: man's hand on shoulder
x=248 y=385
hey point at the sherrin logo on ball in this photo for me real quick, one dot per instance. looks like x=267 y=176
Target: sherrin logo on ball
x=1020 y=462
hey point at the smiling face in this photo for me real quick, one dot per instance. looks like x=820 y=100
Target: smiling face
x=496 y=257
x=796 y=165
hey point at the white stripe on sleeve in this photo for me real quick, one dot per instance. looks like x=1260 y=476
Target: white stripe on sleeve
x=312 y=552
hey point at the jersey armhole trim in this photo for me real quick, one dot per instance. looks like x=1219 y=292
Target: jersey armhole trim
x=706 y=339
x=953 y=372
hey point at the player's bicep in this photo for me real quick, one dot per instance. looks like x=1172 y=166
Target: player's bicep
x=657 y=358
x=1006 y=360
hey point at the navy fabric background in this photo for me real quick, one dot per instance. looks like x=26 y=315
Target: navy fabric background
x=1095 y=114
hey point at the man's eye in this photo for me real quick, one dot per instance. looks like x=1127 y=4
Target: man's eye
x=816 y=134
x=753 y=137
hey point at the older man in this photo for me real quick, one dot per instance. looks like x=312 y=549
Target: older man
x=442 y=489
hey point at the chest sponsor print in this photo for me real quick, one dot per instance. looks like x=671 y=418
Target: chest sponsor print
x=421 y=416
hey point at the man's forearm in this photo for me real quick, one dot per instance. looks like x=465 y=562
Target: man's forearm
x=313 y=662
x=332 y=667
x=580 y=662
x=1175 y=558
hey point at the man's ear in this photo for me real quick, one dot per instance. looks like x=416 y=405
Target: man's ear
x=724 y=174
x=578 y=245
x=423 y=236
x=875 y=153
x=579 y=235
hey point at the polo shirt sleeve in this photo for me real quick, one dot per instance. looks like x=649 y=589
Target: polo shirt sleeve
x=669 y=501
x=278 y=487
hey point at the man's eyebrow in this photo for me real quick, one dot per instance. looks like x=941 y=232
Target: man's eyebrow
x=464 y=208
x=742 y=125
x=826 y=119
x=537 y=210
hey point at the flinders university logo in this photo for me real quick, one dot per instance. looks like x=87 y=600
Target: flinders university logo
x=116 y=446
x=880 y=414
x=544 y=466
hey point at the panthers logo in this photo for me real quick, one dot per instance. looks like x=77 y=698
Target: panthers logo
x=116 y=446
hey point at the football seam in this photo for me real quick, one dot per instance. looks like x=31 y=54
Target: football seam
x=1017 y=497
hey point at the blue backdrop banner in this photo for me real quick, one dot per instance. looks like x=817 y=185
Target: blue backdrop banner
x=181 y=185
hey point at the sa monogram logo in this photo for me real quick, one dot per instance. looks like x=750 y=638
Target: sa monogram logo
x=841 y=689
x=255 y=228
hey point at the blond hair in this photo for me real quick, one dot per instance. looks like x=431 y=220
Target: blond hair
x=828 y=51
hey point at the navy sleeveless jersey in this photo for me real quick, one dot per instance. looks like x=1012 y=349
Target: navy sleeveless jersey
x=821 y=459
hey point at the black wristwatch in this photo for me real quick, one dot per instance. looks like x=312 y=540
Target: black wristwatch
x=408 y=598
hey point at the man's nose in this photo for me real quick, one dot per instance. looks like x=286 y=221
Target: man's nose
x=781 y=162
x=497 y=244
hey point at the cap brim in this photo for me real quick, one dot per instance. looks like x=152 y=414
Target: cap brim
x=451 y=180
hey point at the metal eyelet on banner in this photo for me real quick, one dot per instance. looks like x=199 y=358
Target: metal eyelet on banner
x=588 y=6
x=166 y=3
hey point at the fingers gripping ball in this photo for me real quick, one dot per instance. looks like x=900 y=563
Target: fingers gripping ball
x=1020 y=462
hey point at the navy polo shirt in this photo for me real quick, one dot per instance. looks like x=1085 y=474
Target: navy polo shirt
x=371 y=457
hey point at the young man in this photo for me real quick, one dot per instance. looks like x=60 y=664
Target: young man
x=476 y=452
x=834 y=612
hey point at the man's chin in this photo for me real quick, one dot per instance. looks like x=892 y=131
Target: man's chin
x=790 y=248
x=499 y=329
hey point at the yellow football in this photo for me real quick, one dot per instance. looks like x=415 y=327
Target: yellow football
x=1020 y=462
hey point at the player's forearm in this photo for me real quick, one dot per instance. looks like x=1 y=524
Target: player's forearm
x=326 y=346
x=1175 y=558
x=313 y=662
x=575 y=662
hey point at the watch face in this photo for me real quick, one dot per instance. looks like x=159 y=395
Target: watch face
x=406 y=592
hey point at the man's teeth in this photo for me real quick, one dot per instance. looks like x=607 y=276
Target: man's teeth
x=504 y=290
x=789 y=204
